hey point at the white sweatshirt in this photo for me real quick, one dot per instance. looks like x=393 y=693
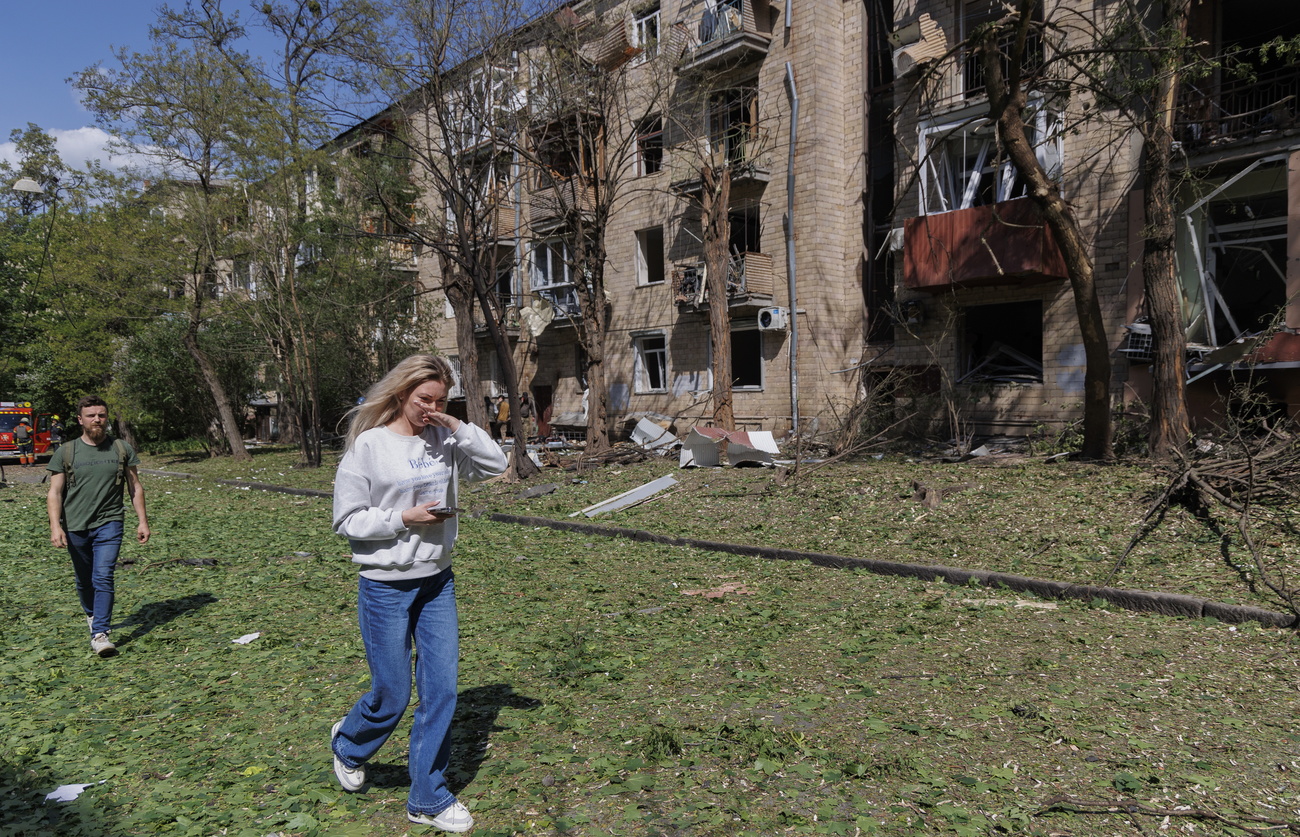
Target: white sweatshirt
x=385 y=473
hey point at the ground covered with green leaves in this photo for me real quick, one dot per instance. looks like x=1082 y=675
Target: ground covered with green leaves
x=603 y=692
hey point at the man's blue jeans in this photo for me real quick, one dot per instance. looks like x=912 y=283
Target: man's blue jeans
x=94 y=559
x=392 y=613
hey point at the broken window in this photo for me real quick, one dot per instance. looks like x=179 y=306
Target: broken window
x=506 y=288
x=551 y=278
x=645 y=26
x=747 y=357
x=962 y=166
x=1236 y=239
x=651 y=363
x=1003 y=343
x=650 y=256
x=650 y=146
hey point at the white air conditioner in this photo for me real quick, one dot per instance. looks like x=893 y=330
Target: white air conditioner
x=773 y=319
x=917 y=44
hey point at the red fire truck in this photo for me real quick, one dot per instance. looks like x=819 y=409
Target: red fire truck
x=10 y=413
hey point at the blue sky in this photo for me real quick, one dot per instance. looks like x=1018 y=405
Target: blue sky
x=43 y=42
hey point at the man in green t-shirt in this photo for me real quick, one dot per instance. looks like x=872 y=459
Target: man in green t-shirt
x=87 y=513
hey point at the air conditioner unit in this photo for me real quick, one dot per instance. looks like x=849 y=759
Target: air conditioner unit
x=773 y=319
x=917 y=44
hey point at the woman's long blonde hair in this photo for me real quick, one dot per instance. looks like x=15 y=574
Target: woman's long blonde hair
x=384 y=399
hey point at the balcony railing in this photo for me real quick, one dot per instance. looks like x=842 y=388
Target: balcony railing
x=746 y=153
x=729 y=33
x=1212 y=113
x=1004 y=243
x=550 y=203
x=749 y=278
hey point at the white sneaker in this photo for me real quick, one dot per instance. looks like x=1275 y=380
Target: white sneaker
x=455 y=817
x=102 y=645
x=351 y=778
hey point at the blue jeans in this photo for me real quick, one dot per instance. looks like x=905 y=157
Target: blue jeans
x=392 y=614
x=94 y=559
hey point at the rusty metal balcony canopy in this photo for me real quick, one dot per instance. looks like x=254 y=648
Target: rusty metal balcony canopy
x=997 y=244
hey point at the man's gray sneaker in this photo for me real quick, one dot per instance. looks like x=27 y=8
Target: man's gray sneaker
x=102 y=645
x=351 y=778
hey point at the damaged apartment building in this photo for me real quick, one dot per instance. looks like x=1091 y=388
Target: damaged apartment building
x=874 y=226
x=985 y=302
x=711 y=83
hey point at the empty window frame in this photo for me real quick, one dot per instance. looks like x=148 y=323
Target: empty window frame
x=962 y=166
x=650 y=372
x=747 y=357
x=1246 y=262
x=551 y=277
x=650 y=256
x=1002 y=343
x=645 y=32
x=650 y=146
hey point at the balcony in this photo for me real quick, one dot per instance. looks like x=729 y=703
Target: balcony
x=549 y=205
x=999 y=244
x=749 y=282
x=502 y=219
x=746 y=154
x=1233 y=110
x=730 y=34
x=401 y=254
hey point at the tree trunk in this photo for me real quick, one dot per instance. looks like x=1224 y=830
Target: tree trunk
x=521 y=465
x=597 y=391
x=461 y=297
x=229 y=424
x=1006 y=106
x=1170 y=424
x=595 y=334
x=715 y=200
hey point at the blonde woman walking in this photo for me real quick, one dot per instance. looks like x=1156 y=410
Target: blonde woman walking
x=395 y=502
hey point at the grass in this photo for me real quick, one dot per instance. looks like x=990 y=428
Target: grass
x=599 y=698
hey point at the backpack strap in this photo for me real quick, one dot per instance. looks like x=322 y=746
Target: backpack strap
x=69 y=474
x=119 y=447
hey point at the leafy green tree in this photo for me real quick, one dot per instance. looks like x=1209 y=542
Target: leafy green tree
x=181 y=106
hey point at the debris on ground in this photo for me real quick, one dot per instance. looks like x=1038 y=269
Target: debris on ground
x=737 y=587
x=701 y=449
x=537 y=491
x=932 y=497
x=636 y=495
x=654 y=437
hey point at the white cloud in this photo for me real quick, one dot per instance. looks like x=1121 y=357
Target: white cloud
x=79 y=146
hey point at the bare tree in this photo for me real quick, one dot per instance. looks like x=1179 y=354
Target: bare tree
x=456 y=88
x=593 y=81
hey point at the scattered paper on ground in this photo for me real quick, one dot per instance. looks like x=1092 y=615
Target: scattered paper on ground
x=67 y=793
x=246 y=638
